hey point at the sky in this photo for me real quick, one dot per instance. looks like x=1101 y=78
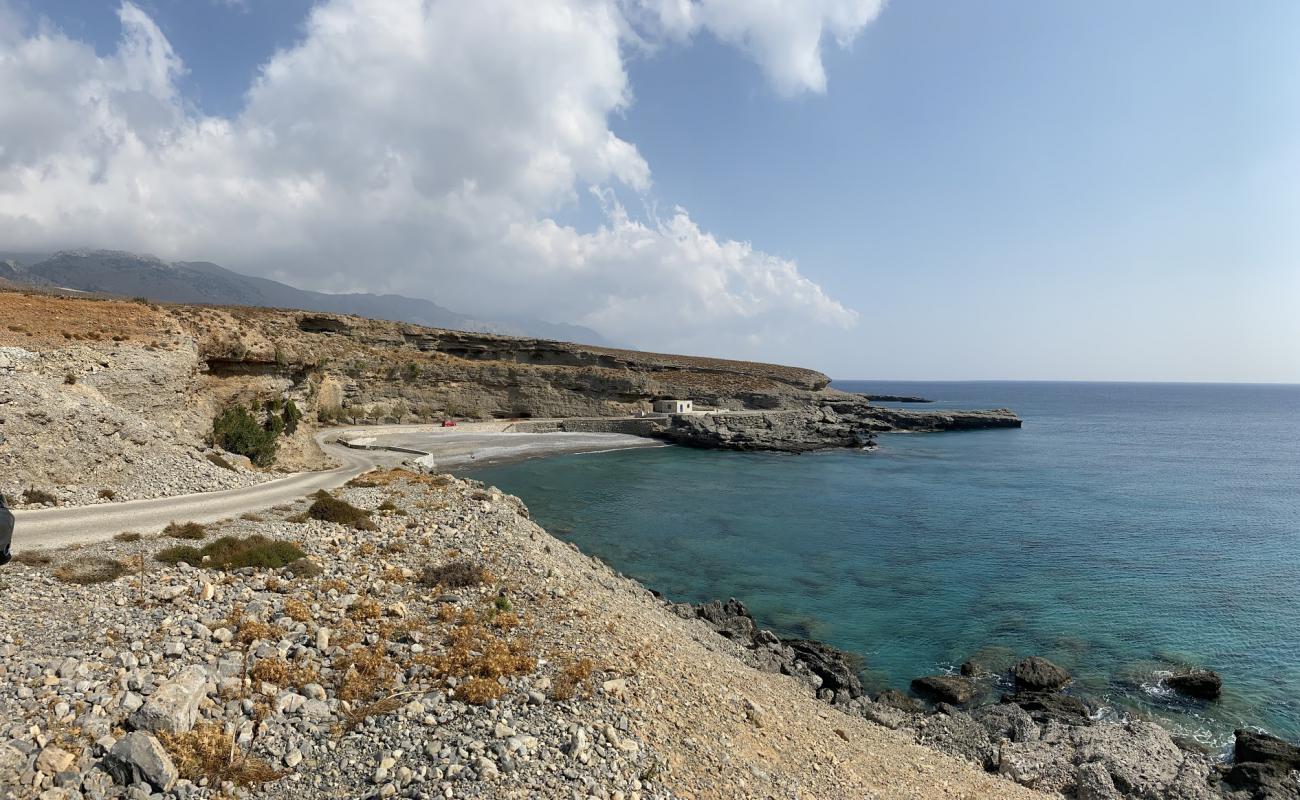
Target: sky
x=913 y=190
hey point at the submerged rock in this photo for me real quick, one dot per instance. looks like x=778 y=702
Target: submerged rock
x=1046 y=707
x=1201 y=683
x=1036 y=674
x=896 y=699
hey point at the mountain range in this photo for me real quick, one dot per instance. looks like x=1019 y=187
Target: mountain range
x=127 y=274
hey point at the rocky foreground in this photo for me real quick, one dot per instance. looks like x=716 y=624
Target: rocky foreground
x=435 y=644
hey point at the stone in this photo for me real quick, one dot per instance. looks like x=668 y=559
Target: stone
x=1203 y=684
x=1036 y=674
x=1264 y=749
x=946 y=688
x=1052 y=706
x=837 y=669
x=53 y=760
x=896 y=699
x=174 y=707
x=139 y=757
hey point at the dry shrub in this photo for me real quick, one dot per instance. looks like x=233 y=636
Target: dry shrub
x=191 y=531
x=394 y=575
x=107 y=494
x=477 y=656
x=90 y=570
x=209 y=752
x=455 y=575
x=304 y=568
x=361 y=713
x=384 y=477
x=387 y=505
x=478 y=691
x=329 y=508
x=571 y=678
x=366 y=672
x=128 y=536
x=365 y=608
x=336 y=584
x=250 y=629
x=251 y=517
x=297 y=610
x=283 y=673
x=34 y=497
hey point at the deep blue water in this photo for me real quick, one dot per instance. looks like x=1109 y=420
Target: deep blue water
x=1126 y=529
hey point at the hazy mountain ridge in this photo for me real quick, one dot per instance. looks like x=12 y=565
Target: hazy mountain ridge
x=136 y=275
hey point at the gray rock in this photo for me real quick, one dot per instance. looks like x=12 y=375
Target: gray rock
x=139 y=757
x=174 y=707
x=1199 y=683
x=946 y=688
x=1036 y=674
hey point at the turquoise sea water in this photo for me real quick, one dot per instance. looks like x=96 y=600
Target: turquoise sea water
x=1126 y=529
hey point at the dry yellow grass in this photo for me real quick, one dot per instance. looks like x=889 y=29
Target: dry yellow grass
x=209 y=752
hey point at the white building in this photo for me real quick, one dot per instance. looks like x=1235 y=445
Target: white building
x=674 y=406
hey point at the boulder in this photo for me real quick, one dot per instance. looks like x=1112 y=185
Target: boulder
x=1045 y=707
x=896 y=699
x=1201 y=683
x=174 y=707
x=1006 y=721
x=731 y=619
x=140 y=758
x=1264 y=749
x=945 y=688
x=837 y=669
x=958 y=734
x=1036 y=674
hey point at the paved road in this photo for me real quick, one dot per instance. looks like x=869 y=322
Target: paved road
x=483 y=442
x=60 y=527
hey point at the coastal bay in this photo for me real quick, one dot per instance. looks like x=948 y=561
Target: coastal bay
x=1128 y=531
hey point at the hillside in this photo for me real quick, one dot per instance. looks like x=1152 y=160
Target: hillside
x=132 y=275
x=118 y=397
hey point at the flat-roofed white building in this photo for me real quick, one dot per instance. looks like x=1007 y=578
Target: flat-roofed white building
x=674 y=406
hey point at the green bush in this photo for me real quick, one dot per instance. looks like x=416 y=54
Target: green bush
x=291 y=416
x=232 y=552
x=329 y=508
x=236 y=431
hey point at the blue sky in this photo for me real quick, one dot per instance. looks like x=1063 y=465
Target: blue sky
x=1006 y=190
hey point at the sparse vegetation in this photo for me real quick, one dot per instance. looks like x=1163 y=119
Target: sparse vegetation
x=34 y=558
x=209 y=752
x=572 y=677
x=232 y=552
x=33 y=497
x=191 y=531
x=70 y=379
x=107 y=494
x=90 y=570
x=328 y=508
x=290 y=416
x=454 y=575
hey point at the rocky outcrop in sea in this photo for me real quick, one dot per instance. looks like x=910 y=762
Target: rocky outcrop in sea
x=1038 y=735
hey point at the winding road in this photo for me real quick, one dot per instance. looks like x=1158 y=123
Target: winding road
x=437 y=447
x=60 y=527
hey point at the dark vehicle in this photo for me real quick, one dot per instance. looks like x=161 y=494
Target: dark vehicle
x=6 y=531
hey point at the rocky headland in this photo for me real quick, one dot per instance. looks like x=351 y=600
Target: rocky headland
x=104 y=399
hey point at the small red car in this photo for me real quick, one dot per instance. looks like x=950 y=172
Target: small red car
x=449 y=423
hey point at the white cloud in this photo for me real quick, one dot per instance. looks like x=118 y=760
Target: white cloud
x=413 y=146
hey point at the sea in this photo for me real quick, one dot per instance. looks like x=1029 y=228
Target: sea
x=1126 y=531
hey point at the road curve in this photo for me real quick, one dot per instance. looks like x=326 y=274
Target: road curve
x=60 y=527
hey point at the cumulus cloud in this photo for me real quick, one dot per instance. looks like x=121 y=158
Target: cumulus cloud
x=413 y=146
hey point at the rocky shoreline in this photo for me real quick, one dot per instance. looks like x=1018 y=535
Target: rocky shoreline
x=1036 y=734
